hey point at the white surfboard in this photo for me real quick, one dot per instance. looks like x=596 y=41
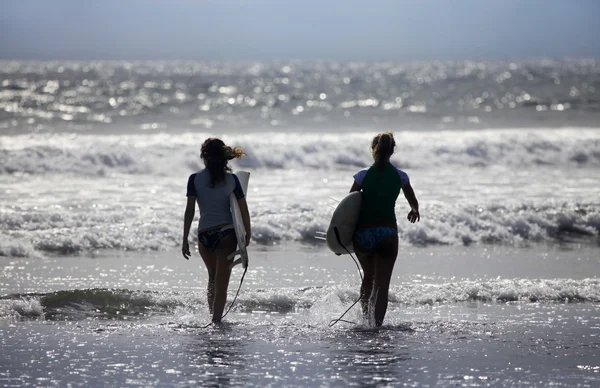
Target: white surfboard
x=238 y=223
x=344 y=219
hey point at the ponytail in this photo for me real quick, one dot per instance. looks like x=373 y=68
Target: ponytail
x=216 y=155
x=382 y=148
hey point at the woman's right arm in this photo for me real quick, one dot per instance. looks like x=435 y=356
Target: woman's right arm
x=410 y=196
x=246 y=218
x=188 y=217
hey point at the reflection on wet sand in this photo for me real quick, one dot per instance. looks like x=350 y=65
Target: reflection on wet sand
x=216 y=360
x=368 y=357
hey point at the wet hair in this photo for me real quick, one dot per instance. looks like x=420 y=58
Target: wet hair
x=382 y=148
x=216 y=155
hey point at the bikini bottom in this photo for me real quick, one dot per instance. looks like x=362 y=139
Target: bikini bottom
x=211 y=239
x=369 y=238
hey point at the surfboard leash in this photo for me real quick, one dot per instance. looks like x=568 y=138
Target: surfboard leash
x=234 y=298
x=334 y=321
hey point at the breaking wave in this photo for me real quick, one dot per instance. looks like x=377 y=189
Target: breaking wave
x=126 y=304
x=163 y=154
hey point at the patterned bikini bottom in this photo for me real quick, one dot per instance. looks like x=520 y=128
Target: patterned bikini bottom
x=369 y=238
x=211 y=239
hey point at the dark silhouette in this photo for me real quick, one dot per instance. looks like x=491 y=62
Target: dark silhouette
x=211 y=189
x=376 y=237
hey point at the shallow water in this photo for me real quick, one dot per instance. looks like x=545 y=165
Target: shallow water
x=446 y=325
x=466 y=345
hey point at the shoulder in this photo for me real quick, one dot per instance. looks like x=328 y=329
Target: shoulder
x=403 y=176
x=201 y=174
x=192 y=177
x=191 y=186
x=237 y=186
x=359 y=177
x=231 y=178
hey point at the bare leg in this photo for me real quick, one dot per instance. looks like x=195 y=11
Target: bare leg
x=210 y=260
x=383 y=260
x=223 y=272
x=366 y=262
x=210 y=294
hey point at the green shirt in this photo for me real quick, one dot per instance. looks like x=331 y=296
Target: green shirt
x=380 y=191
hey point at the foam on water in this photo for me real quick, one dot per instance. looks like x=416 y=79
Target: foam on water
x=68 y=193
x=164 y=154
x=321 y=302
x=71 y=202
x=459 y=226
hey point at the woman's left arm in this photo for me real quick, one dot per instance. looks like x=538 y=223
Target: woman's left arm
x=188 y=217
x=410 y=196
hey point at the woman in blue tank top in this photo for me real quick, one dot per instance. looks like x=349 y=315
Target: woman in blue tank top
x=211 y=188
x=376 y=236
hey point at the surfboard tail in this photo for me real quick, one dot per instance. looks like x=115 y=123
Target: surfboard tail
x=243 y=177
x=340 y=232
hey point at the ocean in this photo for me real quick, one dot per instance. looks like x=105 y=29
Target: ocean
x=497 y=285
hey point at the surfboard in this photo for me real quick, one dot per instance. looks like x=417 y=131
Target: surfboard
x=344 y=220
x=238 y=223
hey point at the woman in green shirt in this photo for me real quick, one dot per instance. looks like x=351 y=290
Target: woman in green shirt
x=376 y=236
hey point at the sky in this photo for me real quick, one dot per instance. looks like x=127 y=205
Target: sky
x=396 y=30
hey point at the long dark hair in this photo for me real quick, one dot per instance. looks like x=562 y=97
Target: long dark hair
x=216 y=155
x=382 y=147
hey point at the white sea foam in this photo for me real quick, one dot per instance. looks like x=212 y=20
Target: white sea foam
x=133 y=215
x=320 y=302
x=16 y=247
x=76 y=193
x=164 y=154
x=26 y=307
x=111 y=229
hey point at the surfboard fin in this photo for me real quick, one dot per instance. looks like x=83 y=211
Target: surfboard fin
x=239 y=260
x=232 y=257
x=236 y=262
x=320 y=235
